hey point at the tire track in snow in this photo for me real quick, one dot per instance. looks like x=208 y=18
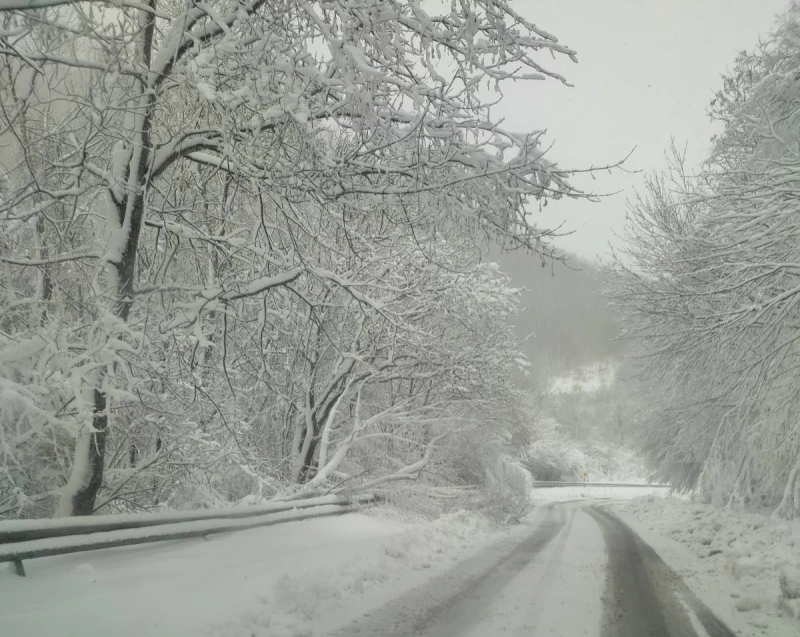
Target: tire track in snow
x=452 y=602
x=534 y=610
x=644 y=596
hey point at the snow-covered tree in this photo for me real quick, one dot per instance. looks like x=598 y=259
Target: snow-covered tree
x=176 y=173
x=711 y=286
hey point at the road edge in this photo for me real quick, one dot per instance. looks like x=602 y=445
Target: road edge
x=718 y=594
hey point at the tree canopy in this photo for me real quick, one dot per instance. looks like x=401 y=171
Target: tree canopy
x=241 y=239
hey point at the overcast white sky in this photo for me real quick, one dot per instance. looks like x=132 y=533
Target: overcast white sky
x=647 y=71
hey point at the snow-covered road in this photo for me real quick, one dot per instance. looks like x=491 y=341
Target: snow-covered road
x=580 y=571
x=571 y=569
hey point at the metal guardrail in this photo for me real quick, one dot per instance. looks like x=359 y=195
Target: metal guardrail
x=27 y=539
x=23 y=530
x=546 y=485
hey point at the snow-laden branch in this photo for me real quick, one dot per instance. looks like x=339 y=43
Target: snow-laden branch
x=23 y=5
x=261 y=284
x=61 y=258
x=411 y=471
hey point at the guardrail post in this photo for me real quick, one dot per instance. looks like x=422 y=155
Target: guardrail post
x=19 y=568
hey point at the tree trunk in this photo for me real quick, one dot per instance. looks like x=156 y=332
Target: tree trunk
x=789 y=507
x=78 y=496
x=47 y=276
x=308 y=461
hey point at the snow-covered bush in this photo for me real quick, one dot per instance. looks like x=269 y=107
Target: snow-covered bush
x=552 y=455
x=508 y=488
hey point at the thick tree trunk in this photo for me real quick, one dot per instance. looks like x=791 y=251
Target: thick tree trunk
x=319 y=418
x=78 y=497
x=309 y=464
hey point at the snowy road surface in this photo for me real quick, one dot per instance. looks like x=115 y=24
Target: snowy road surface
x=579 y=572
x=571 y=570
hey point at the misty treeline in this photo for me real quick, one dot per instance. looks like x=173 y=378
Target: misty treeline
x=585 y=424
x=566 y=310
x=241 y=249
x=710 y=285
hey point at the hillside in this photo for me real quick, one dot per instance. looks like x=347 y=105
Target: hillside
x=565 y=310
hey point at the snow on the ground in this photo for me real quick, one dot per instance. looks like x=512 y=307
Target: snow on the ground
x=731 y=560
x=314 y=597
x=296 y=579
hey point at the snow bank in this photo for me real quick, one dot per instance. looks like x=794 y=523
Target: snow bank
x=734 y=561
x=310 y=597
